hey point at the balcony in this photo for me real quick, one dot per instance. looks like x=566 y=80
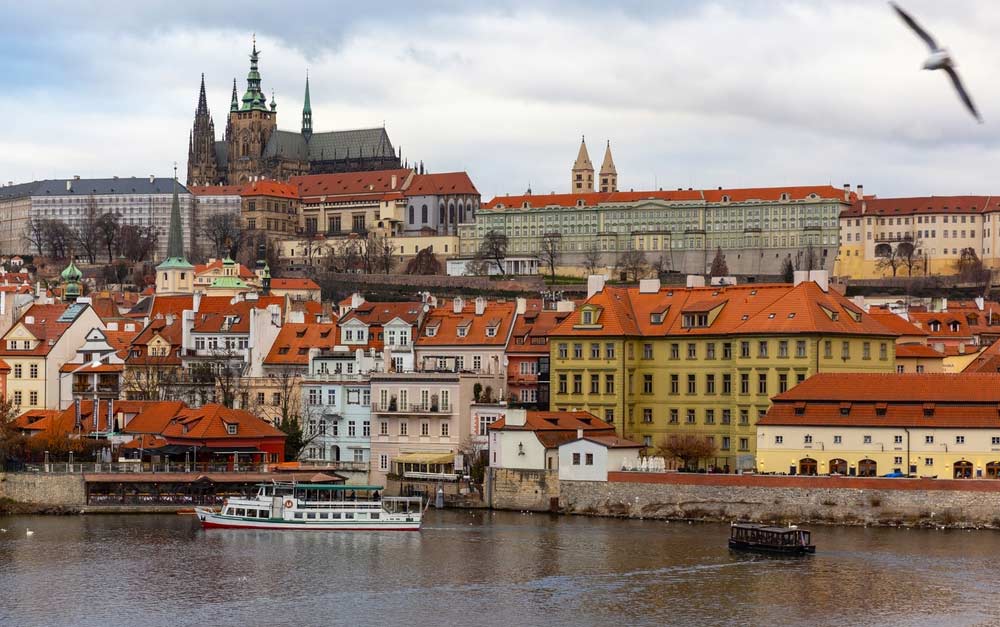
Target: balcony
x=411 y=408
x=333 y=377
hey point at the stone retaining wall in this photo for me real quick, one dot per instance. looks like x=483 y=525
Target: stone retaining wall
x=67 y=490
x=522 y=490
x=908 y=502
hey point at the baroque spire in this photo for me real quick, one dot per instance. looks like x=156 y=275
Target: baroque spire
x=254 y=98
x=235 y=104
x=175 y=236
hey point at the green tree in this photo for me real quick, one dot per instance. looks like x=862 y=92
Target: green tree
x=787 y=270
x=719 y=267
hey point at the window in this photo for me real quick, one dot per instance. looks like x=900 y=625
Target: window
x=647 y=351
x=727 y=350
x=692 y=386
x=587 y=316
x=783 y=348
x=444 y=429
x=577 y=351
x=828 y=349
x=313 y=396
x=647 y=384
x=609 y=351
x=867 y=439
x=898 y=439
x=383 y=462
x=762 y=383
x=883 y=351
x=477 y=362
x=231 y=429
x=609 y=416
x=845 y=350
x=866 y=350
x=744 y=349
x=744 y=416
x=959 y=439
x=383 y=428
x=589 y=459
x=562 y=351
x=276 y=398
x=995 y=441
x=782 y=382
x=808 y=439
x=710 y=350
x=762 y=348
x=928 y=439
x=595 y=351
x=595 y=384
x=800 y=348
x=33 y=398
x=710 y=416
x=33 y=371
x=744 y=383
x=675 y=383
x=578 y=384
x=576 y=459
x=17 y=371
x=778 y=439
x=727 y=416
x=17 y=397
x=403 y=427
x=725 y=443
x=709 y=384
x=692 y=351
x=727 y=384
x=675 y=351
x=689 y=417
x=260 y=398
x=562 y=384
x=674 y=416
x=425 y=428
x=928 y=461
x=647 y=415
x=744 y=444
x=837 y=439
x=609 y=384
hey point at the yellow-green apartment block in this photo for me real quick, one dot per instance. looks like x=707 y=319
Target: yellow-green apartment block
x=669 y=361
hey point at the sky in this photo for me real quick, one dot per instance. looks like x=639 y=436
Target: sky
x=751 y=93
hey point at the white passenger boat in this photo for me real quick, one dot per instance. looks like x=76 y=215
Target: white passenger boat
x=319 y=507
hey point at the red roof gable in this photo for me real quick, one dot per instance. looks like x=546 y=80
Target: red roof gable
x=441 y=184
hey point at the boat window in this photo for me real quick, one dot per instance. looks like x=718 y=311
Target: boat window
x=298 y=514
x=311 y=515
x=349 y=515
x=324 y=515
x=375 y=516
x=336 y=515
x=263 y=513
x=240 y=511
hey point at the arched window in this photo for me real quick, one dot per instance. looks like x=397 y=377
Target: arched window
x=451 y=214
x=423 y=214
x=441 y=214
x=411 y=214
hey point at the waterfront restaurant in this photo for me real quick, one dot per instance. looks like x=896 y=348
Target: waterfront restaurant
x=943 y=426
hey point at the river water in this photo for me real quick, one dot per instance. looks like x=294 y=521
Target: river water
x=485 y=568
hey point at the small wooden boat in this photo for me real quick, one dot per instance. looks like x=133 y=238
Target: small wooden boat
x=767 y=539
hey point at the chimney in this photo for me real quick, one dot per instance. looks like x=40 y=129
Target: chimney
x=595 y=284
x=695 y=280
x=522 y=306
x=820 y=278
x=357 y=300
x=480 y=305
x=579 y=434
x=169 y=318
x=516 y=417
x=457 y=304
x=566 y=306
x=799 y=276
x=152 y=178
x=861 y=191
x=69 y=186
x=392 y=182
x=649 y=286
x=847 y=191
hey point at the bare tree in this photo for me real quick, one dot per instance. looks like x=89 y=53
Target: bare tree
x=137 y=242
x=633 y=264
x=549 y=252
x=475 y=450
x=34 y=232
x=225 y=232
x=719 y=267
x=109 y=233
x=494 y=248
x=690 y=449
x=424 y=262
x=908 y=252
x=970 y=267
x=887 y=258
x=592 y=258
x=807 y=259
x=477 y=266
x=59 y=238
x=87 y=237
x=787 y=270
x=377 y=253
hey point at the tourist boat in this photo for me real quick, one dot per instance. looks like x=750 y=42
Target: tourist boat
x=319 y=507
x=752 y=537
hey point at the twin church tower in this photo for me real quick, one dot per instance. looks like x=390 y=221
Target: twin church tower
x=253 y=147
x=583 y=172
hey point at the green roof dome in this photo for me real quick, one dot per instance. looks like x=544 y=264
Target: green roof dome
x=71 y=273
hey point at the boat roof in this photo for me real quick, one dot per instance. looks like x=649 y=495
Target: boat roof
x=768 y=528
x=323 y=486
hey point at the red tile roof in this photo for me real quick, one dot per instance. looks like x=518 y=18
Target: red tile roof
x=924 y=320
x=531 y=331
x=238 y=315
x=987 y=361
x=209 y=422
x=917 y=351
x=350 y=183
x=446 y=323
x=241 y=271
x=273 y=189
x=293 y=283
x=555 y=421
x=895 y=323
x=441 y=184
x=292 y=345
x=742 y=309
x=873 y=206
x=157 y=327
x=591 y=199
x=45 y=327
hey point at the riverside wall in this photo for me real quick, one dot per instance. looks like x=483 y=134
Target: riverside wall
x=62 y=490
x=522 y=490
x=780 y=499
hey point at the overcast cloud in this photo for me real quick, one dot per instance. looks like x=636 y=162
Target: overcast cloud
x=691 y=94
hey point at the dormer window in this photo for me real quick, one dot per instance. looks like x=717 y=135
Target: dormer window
x=432 y=331
x=491 y=331
x=935 y=326
x=231 y=428
x=656 y=318
x=953 y=325
x=462 y=331
x=725 y=198
x=587 y=317
x=694 y=320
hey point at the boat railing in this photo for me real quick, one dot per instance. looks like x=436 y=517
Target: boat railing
x=374 y=505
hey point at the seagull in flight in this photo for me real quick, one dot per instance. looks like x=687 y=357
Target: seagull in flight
x=940 y=59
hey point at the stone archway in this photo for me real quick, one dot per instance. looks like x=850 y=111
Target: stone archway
x=838 y=466
x=807 y=466
x=867 y=468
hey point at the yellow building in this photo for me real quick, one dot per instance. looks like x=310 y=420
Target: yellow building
x=36 y=347
x=661 y=361
x=929 y=425
x=916 y=236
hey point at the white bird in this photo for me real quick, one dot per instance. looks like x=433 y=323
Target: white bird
x=3 y=531
x=940 y=59
x=29 y=532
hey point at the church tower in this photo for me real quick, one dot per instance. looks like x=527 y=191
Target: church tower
x=203 y=169
x=307 y=114
x=175 y=275
x=583 y=171
x=251 y=125
x=609 y=175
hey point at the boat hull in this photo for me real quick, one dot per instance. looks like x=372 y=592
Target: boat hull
x=212 y=520
x=738 y=545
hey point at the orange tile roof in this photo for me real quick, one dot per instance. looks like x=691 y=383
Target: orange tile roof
x=553 y=428
x=241 y=271
x=441 y=183
x=896 y=400
x=46 y=328
x=4 y=367
x=36 y=419
x=924 y=319
x=154 y=417
x=764 y=309
x=65 y=421
x=293 y=283
x=375 y=315
x=531 y=331
x=350 y=183
x=874 y=206
x=270 y=188
x=209 y=422
x=171 y=333
x=894 y=322
x=591 y=199
x=292 y=345
x=214 y=322
x=499 y=316
x=917 y=350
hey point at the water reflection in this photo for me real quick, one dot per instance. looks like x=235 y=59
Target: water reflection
x=484 y=568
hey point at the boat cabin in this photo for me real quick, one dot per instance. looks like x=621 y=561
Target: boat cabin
x=771 y=539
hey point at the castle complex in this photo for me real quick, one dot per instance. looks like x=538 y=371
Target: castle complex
x=253 y=147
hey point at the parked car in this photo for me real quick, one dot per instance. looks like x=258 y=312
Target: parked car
x=894 y=473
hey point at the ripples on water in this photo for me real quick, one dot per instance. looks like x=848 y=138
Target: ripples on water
x=483 y=568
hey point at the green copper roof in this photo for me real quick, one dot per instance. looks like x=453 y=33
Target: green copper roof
x=228 y=281
x=253 y=99
x=174 y=263
x=71 y=273
x=307 y=107
x=235 y=104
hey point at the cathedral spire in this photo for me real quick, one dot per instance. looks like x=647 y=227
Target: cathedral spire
x=583 y=170
x=202 y=100
x=235 y=104
x=307 y=113
x=254 y=98
x=609 y=174
x=175 y=236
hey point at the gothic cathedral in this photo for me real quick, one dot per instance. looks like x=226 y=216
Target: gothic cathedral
x=253 y=147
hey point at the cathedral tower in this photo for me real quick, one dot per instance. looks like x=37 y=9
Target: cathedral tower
x=203 y=169
x=307 y=114
x=609 y=175
x=251 y=125
x=583 y=171
x=175 y=275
